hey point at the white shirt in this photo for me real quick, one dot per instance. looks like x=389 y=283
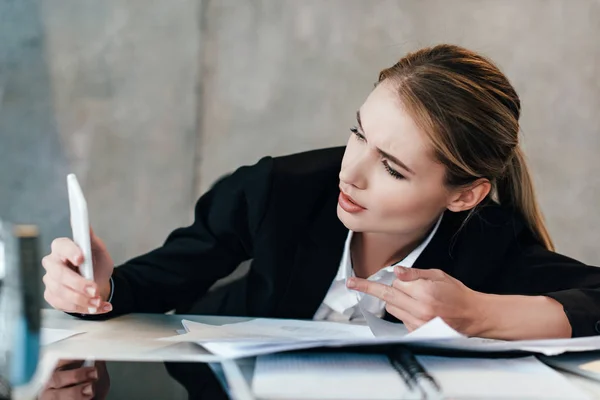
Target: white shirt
x=341 y=304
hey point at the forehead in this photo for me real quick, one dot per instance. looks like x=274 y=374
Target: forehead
x=389 y=127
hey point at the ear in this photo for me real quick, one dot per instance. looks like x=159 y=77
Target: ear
x=468 y=197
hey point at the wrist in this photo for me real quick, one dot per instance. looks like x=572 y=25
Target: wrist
x=514 y=317
x=105 y=290
x=484 y=317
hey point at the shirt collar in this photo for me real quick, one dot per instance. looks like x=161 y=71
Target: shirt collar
x=345 y=271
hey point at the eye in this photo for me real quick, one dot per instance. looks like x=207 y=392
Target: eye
x=358 y=135
x=395 y=174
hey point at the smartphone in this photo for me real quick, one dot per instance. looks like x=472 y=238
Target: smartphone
x=80 y=225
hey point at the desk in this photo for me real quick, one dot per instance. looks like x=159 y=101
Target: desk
x=136 y=333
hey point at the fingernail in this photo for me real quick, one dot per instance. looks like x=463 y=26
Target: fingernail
x=107 y=307
x=351 y=283
x=93 y=374
x=400 y=270
x=95 y=302
x=92 y=310
x=91 y=291
x=87 y=390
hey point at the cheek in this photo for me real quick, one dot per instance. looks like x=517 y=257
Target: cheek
x=406 y=201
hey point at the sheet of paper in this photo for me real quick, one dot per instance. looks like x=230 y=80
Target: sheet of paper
x=435 y=329
x=264 y=336
x=328 y=376
x=508 y=378
x=51 y=335
x=266 y=329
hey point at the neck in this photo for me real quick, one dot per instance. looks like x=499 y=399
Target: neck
x=372 y=251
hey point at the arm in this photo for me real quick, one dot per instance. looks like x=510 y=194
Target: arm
x=514 y=317
x=540 y=294
x=562 y=296
x=193 y=258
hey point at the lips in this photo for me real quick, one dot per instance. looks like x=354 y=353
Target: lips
x=348 y=204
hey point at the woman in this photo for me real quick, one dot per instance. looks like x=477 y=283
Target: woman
x=428 y=211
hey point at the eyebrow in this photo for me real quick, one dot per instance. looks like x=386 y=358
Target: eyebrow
x=383 y=153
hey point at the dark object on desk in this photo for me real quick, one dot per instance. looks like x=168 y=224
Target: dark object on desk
x=20 y=304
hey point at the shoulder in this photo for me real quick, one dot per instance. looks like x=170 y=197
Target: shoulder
x=309 y=168
x=499 y=235
x=291 y=185
x=305 y=167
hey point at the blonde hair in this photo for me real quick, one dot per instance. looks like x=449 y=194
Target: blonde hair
x=471 y=113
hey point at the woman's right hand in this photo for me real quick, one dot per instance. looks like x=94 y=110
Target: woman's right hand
x=66 y=289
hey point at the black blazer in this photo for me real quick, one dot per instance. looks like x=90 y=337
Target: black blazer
x=281 y=212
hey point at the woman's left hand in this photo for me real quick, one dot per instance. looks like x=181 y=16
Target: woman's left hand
x=419 y=295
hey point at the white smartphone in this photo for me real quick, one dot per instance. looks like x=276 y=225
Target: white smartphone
x=80 y=225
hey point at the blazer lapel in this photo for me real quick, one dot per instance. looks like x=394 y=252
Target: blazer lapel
x=316 y=263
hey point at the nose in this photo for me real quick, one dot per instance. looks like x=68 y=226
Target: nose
x=354 y=172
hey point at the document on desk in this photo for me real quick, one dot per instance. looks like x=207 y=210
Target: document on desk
x=508 y=378
x=266 y=329
x=51 y=335
x=264 y=336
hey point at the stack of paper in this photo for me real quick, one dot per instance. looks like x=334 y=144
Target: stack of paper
x=264 y=336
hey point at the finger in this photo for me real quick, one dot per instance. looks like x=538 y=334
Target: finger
x=59 y=272
x=412 y=274
x=63 y=378
x=404 y=316
x=414 y=289
x=421 y=304
x=379 y=290
x=66 y=249
x=408 y=297
x=69 y=295
x=60 y=303
x=82 y=391
x=63 y=305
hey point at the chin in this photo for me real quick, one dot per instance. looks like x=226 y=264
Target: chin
x=353 y=222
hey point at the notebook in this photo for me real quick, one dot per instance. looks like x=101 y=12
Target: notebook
x=508 y=378
x=328 y=376
x=586 y=364
x=352 y=376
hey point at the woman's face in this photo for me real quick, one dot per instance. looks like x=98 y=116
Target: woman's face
x=389 y=180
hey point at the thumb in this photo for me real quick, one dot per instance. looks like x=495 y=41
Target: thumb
x=93 y=236
x=96 y=242
x=412 y=274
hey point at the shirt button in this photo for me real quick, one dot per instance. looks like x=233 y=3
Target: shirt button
x=597 y=326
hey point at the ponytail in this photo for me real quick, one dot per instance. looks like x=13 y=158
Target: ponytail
x=516 y=189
